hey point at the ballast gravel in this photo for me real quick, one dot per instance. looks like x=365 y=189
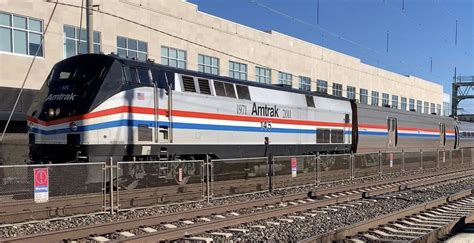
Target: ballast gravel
x=322 y=223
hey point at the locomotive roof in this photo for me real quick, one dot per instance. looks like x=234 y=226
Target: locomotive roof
x=150 y=64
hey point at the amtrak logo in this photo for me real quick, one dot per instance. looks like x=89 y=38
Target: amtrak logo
x=61 y=97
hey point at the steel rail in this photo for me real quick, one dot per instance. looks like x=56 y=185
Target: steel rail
x=174 y=234
x=343 y=233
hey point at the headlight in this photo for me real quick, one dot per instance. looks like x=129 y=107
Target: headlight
x=73 y=126
x=57 y=111
x=51 y=112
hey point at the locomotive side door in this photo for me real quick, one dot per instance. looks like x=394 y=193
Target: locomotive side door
x=162 y=96
x=442 y=135
x=392 y=132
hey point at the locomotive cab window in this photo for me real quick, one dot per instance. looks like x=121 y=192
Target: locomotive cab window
x=137 y=75
x=144 y=76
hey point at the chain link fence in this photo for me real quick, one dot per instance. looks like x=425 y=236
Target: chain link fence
x=334 y=167
x=412 y=161
x=430 y=159
x=392 y=162
x=123 y=185
x=456 y=158
x=294 y=171
x=158 y=182
x=366 y=164
x=235 y=176
x=49 y=185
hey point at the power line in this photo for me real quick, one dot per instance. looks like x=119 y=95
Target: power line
x=335 y=35
x=28 y=71
x=213 y=49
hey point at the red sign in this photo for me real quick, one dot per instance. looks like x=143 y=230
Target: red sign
x=41 y=177
x=41 y=183
x=294 y=165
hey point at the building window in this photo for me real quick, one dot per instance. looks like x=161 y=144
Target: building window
x=263 y=75
x=438 y=109
x=322 y=86
x=364 y=96
x=237 y=70
x=419 y=106
x=375 y=98
x=446 y=109
x=173 y=57
x=351 y=92
x=432 y=108
x=75 y=41
x=208 y=64
x=395 y=101
x=412 y=105
x=285 y=78
x=305 y=83
x=385 y=99
x=132 y=48
x=21 y=35
x=337 y=89
x=403 y=103
x=426 y=107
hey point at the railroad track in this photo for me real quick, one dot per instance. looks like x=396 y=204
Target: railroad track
x=15 y=211
x=216 y=217
x=423 y=223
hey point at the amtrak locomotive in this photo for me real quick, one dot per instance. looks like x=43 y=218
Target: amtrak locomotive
x=93 y=107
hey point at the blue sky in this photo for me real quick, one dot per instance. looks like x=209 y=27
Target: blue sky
x=419 y=31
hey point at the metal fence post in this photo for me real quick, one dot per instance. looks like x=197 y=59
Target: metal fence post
x=380 y=163
x=117 y=197
x=104 y=186
x=270 y=162
x=462 y=157
x=403 y=161
x=438 y=159
x=421 y=159
x=318 y=168
x=203 y=172
x=208 y=178
x=451 y=158
x=111 y=164
x=352 y=162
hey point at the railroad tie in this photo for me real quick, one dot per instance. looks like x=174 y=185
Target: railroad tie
x=410 y=228
x=244 y=231
x=258 y=227
x=396 y=231
x=381 y=233
x=149 y=230
x=126 y=234
x=99 y=239
x=222 y=234
x=198 y=239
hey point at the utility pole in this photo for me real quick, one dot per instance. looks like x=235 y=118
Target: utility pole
x=90 y=26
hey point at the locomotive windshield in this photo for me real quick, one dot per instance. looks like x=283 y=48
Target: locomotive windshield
x=71 y=87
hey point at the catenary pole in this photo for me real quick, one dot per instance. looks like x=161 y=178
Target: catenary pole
x=90 y=28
